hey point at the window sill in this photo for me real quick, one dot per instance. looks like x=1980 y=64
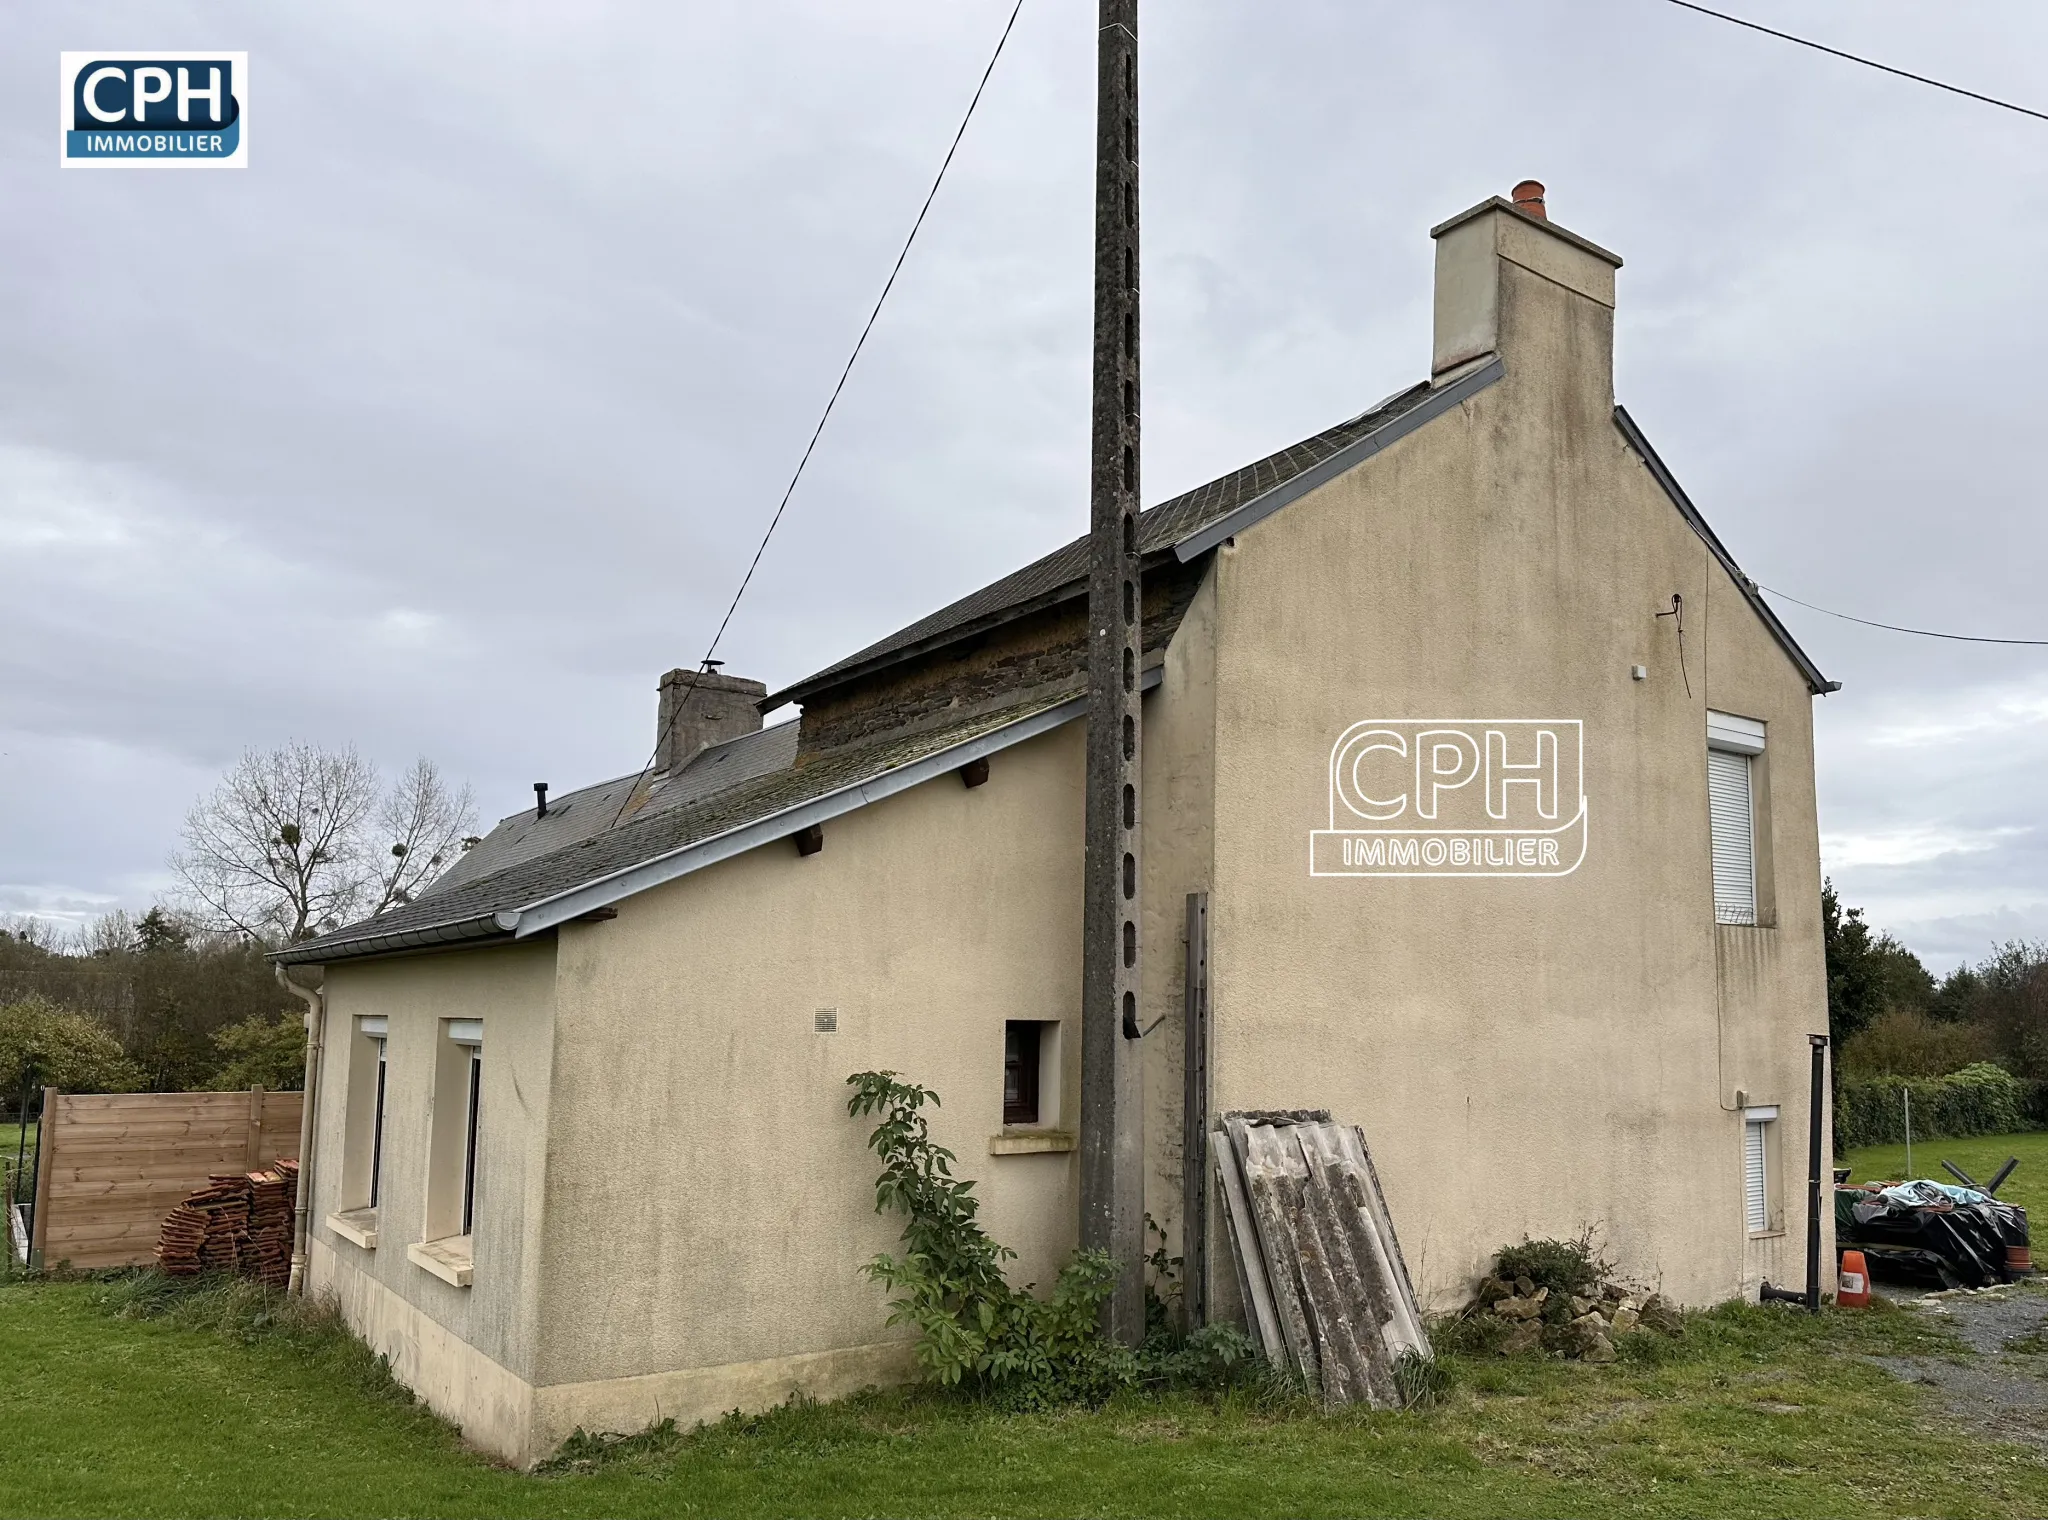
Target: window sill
x=447 y=1259
x=1778 y=1234
x=356 y=1226
x=1029 y=1142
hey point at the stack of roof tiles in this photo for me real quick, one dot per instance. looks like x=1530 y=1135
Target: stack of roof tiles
x=239 y=1222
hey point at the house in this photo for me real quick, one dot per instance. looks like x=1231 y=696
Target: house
x=1480 y=803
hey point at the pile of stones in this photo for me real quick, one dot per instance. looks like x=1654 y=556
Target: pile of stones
x=1580 y=1326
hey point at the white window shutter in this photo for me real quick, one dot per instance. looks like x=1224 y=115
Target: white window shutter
x=1730 y=819
x=1755 y=1207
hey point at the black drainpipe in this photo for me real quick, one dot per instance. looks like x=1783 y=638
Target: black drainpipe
x=1811 y=1297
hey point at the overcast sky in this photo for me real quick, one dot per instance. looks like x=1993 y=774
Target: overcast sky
x=450 y=423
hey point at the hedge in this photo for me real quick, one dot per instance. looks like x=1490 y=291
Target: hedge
x=1981 y=1099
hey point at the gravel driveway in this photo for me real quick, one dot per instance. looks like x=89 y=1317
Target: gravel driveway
x=2001 y=1388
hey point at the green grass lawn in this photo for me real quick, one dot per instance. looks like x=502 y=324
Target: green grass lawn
x=1755 y=1412
x=1981 y=1157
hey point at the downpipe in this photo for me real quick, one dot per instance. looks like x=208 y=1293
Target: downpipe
x=316 y=1039
x=1811 y=1297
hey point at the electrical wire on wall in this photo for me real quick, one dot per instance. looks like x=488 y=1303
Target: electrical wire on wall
x=1677 y=615
x=708 y=663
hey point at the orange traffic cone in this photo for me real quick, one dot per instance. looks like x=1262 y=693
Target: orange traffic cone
x=1854 y=1292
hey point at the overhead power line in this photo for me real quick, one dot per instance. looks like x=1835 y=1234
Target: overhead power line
x=1925 y=633
x=1868 y=63
x=831 y=401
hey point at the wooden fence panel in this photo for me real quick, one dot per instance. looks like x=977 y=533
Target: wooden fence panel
x=113 y=1164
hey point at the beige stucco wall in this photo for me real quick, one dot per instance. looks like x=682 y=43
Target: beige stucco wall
x=675 y=1206
x=708 y=1201
x=400 y=1308
x=1525 y=1055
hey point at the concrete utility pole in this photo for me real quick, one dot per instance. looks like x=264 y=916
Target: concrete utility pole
x=1112 y=1094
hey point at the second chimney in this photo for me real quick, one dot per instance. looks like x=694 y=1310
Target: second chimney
x=698 y=709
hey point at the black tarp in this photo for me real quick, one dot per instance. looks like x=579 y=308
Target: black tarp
x=1926 y=1228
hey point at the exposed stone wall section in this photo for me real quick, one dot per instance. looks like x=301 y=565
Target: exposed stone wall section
x=1041 y=651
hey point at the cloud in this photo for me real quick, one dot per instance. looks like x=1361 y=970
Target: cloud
x=452 y=422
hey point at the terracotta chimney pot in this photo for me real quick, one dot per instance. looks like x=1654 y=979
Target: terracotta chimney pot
x=1528 y=197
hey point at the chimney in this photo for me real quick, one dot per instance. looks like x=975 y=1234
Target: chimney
x=700 y=709
x=1507 y=276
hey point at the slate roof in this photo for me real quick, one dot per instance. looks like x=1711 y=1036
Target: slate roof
x=526 y=859
x=1064 y=572
x=471 y=909
x=537 y=871
x=575 y=816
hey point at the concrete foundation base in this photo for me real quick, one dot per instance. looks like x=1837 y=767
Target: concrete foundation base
x=503 y=1414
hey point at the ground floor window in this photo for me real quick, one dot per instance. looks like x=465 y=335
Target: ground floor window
x=1759 y=1158
x=1031 y=1073
x=1020 y=1071
x=455 y=1151
x=362 y=1164
x=476 y=1091
x=377 y=1128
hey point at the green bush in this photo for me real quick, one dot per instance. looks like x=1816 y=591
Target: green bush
x=973 y=1328
x=43 y=1044
x=262 y=1052
x=1981 y=1099
x=1907 y=1043
x=1565 y=1267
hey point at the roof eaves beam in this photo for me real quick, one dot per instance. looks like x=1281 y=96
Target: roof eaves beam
x=547 y=912
x=1349 y=457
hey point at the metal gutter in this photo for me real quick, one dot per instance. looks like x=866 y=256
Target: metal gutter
x=455 y=931
x=1347 y=458
x=1817 y=683
x=548 y=912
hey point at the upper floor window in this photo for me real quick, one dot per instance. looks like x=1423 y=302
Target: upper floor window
x=1733 y=746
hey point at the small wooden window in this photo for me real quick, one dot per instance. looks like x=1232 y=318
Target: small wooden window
x=1020 y=1071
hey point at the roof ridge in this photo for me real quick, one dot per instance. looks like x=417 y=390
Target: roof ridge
x=1052 y=576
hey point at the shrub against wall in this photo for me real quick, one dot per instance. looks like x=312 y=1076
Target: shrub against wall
x=1981 y=1099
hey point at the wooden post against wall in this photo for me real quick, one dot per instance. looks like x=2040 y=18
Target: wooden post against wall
x=255 y=1150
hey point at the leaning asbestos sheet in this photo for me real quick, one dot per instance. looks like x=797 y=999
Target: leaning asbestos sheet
x=1325 y=1287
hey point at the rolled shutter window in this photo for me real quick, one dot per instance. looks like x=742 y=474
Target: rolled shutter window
x=1754 y=1206
x=1733 y=828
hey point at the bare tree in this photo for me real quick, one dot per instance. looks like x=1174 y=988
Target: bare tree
x=30 y=930
x=109 y=934
x=299 y=840
x=425 y=824
x=276 y=850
